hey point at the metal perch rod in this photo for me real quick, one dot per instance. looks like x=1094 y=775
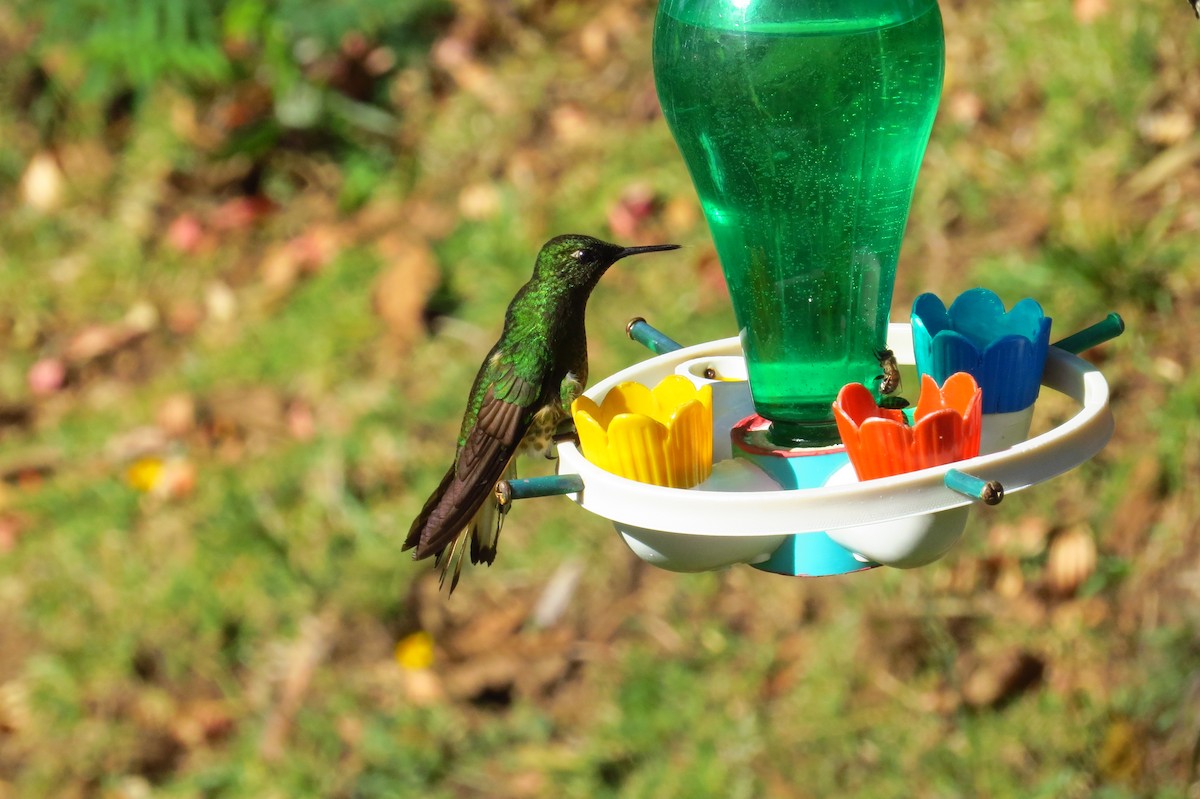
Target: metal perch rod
x=1105 y=330
x=652 y=339
x=507 y=491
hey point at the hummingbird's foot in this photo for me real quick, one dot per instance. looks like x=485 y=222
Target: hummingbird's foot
x=566 y=432
x=503 y=494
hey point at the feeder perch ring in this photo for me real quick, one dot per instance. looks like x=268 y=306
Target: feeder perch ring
x=766 y=513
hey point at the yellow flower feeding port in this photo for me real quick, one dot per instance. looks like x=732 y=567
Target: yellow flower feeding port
x=662 y=436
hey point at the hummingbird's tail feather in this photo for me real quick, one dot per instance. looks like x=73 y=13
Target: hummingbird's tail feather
x=418 y=534
x=454 y=523
x=450 y=559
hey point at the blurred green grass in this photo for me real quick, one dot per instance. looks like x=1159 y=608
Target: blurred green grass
x=236 y=638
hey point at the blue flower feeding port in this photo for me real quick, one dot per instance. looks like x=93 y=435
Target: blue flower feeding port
x=813 y=517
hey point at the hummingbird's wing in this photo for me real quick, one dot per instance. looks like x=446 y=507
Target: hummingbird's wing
x=462 y=506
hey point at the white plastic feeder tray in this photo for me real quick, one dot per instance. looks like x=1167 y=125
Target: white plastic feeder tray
x=906 y=520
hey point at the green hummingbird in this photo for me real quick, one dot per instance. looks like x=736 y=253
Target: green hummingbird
x=523 y=390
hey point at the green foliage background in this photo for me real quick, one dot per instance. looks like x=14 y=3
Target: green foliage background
x=254 y=187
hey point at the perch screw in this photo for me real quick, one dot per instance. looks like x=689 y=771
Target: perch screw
x=504 y=496
x=989 y=492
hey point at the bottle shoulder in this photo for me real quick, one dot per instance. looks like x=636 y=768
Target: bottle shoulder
x=789 y=17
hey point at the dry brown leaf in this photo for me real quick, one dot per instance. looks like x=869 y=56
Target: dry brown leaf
x=558 y=594
x=681 y=215
x=97 y=341
x=136 y=443
x=1001 y=678
x=487 y=631
x=298 y=257
x=1088 y=11
x=1007 y=580
x=184 y=316
x=403 y=289
x=455 y=55
x=176 y=415
x=247 y=411
x=423 y=687
x=430 y=219
x=430 y=612
x=1122 y=756
x=201 y=722
x=300 y=660
x=1070 y=561
x=279 y=270
x=220 y=303
x=16 y=711
x=42 y=183
x=143 y=316
x=380 y=214
x=1023 y=538
x=17 y=414
x=26 y=466
x=240 y=213
x=595 y=41
x=530 y=665
x=1138 y=509
x=479 y=202
x=86 y=164
x=964 y=107
x=480 y=677
x=11 y=528
x=1164 y=167
x=1166 y=127
x=787 y=668
x=301 y=421
x=571 y=124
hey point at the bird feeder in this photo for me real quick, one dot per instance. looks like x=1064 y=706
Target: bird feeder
x=803 y=126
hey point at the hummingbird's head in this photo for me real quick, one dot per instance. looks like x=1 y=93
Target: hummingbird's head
x=579 y=261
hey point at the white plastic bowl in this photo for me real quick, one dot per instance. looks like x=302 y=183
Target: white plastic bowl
x=710 y=524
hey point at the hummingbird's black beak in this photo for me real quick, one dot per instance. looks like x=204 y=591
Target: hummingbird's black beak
x=625 y=253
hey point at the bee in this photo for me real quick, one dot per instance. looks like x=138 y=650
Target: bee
x=889 y=381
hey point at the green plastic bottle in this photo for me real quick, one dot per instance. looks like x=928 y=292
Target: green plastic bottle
x=803 y=124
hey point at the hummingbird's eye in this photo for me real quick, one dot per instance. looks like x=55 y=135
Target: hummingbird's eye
x=578 y=255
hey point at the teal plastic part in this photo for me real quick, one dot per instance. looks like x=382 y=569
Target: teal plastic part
x=650 y=337
x=1106 y=329
x=1005 y=351
x=811 y=554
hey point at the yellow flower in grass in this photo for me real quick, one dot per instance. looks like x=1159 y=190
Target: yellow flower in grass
x=145 y=473
x=661 y=436
x=415 y=652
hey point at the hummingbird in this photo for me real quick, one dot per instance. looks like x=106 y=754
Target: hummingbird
x=523 y=390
